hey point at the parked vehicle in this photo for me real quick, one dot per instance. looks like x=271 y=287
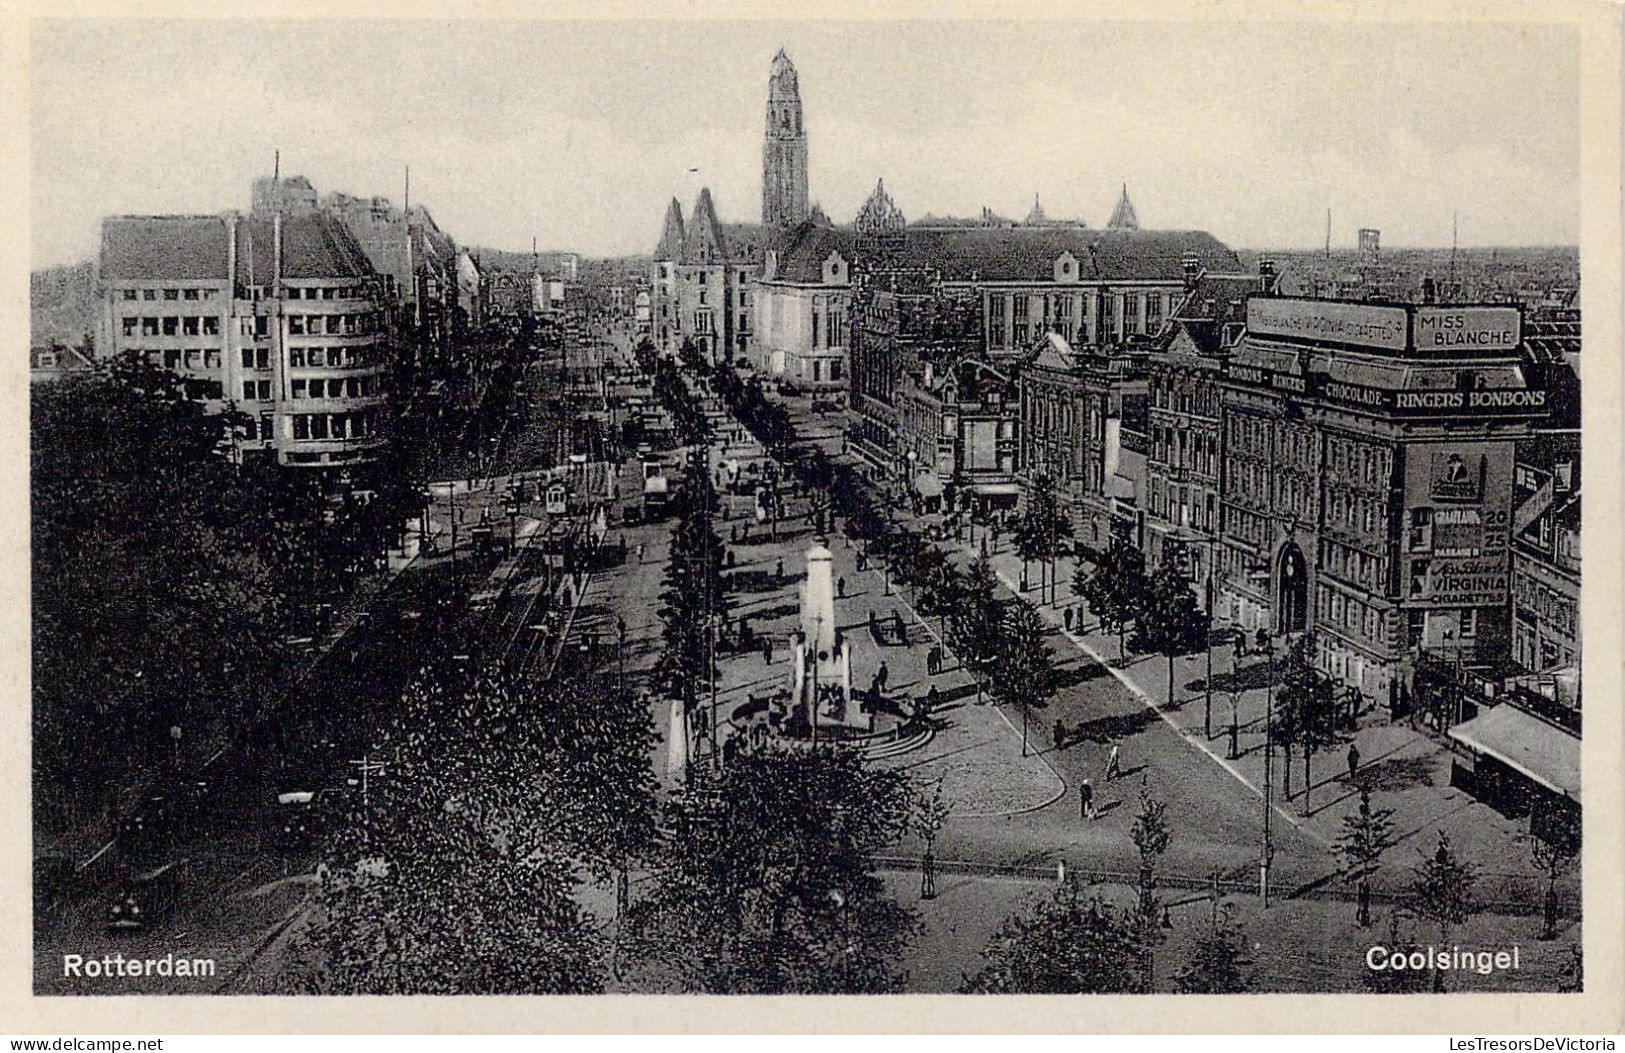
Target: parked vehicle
x=144 y=899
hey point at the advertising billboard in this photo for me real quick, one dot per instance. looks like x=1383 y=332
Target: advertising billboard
x=1467 y=328
x=1358 y=324
x=1458 y=500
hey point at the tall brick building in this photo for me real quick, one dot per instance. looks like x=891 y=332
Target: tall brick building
x=784 y=149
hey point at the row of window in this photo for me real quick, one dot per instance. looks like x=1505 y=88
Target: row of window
x=172 y=325
x=334 y=324
x=335 y=357
x=322 y=293
x=1353 y=565
x=357 y=425
x=186 y=358
x=169 y=294
x=335 y=388
x=1348 y=613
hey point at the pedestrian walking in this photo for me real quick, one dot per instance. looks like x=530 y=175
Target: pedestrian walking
x=1086 y=801
x=883 y=676
x=1068 y=618
x=779 y=570
x=1060 y=733
x=1353 y=759
x=863 y=562
x=1113 y=766
x=898 y=629
x=1261 y=639
x=840 y=587
x=1239 y=643
x=931 y=660
x=640 y=553
x=932 y=697
x=767 y=651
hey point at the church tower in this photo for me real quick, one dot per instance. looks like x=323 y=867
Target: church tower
x=784 y=150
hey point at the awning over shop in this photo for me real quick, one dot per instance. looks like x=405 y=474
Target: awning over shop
x=1528 y=745
x=994 y=489
x=927 y=484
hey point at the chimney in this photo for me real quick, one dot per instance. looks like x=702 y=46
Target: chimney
x=1192 y=268
x=1266 y=275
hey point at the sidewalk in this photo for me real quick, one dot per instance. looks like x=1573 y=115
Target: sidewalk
x=1404 y=769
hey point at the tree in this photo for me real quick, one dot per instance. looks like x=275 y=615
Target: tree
x=766 y=885
x=1233 y=696
x=1171 y=623
x=455 y=873
x=1442 y=892
x=1024 y=675
x=1043 y=526
x=1066 y=945
x=1114 y=589
x=1295 y=675
x=1306 y=710
x=940 y=586
x=1366 y=835
x=160 y=588
x=929 y=813
x=1552 y=858
x=978 y=623
x=1151 y=839
x=1218 y=964
x=694 y=593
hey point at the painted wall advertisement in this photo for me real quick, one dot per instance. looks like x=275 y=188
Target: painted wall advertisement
x=1364 y=325
x=1458 y=501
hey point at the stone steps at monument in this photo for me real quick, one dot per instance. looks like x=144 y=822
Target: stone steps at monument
x=897 y=747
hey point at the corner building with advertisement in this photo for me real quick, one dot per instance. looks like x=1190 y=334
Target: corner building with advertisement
x=1366 y=487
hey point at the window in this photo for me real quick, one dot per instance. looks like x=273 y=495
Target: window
x=189 y=325
x=318 y=426
x=149 y=294
x=265 y=425
x=190 y=294
x=296 y=324
x=129 y=294
x=1153 y=311
x=172 y=325
x=1419 y=577
x=298 y=388
x=315 y=356
x=172 y=294
x=248 y=389
x=1469 y=622
x=211 y=325
x=1420 y=538
x=248 y=358
x=296 y=357
x=301 y=426
x=129 y=326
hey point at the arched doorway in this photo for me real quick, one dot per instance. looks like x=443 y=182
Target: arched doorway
x=1292 y=590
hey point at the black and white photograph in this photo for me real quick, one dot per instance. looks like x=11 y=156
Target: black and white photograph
x=804 y=505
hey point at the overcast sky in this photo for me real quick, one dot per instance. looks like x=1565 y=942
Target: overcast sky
x=577 y=134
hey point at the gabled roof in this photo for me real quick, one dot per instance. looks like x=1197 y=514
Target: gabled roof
x=1123 y=217
x=1029 y=253
x=805 y=248
x=671 y=233
x=157 y=248
x=704 y=241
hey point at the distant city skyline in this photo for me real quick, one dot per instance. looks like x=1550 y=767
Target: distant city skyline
x=577 y=134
